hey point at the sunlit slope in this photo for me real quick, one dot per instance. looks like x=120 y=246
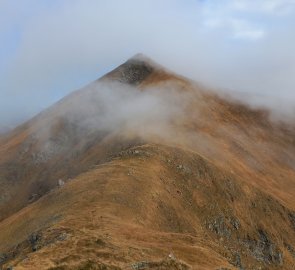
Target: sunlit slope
x=147 y=203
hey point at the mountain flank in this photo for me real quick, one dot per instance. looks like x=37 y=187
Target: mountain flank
x=146 y=169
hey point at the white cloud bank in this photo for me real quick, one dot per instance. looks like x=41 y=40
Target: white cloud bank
x=59 y=46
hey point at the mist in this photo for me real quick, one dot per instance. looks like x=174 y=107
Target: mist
x=51 y=48
x=110 y=107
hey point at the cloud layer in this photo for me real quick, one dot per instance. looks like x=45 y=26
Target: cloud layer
x=54 y=47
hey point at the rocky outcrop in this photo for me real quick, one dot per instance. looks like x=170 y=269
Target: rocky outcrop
x=134 y=71
x=264 y=249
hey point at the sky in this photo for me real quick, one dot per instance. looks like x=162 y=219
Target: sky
x=49 y=48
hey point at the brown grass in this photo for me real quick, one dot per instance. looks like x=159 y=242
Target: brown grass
x=219 y=192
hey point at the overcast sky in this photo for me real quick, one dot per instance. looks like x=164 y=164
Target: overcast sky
x=49 y=48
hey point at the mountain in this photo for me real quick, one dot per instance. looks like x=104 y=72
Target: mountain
x=146 y=169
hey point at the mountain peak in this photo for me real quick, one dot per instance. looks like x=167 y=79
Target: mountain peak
x=141 y=57
x=134 y=70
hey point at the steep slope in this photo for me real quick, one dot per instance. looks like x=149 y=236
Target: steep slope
x=71 y=136
x=153 y=163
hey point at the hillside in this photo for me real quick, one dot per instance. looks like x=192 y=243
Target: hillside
x=146 y=169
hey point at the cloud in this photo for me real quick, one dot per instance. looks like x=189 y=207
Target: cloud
x=108 y=107
x=261 y=6
x=240 y=29
x=59 y=46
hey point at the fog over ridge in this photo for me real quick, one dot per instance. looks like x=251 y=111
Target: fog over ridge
x=54 y=47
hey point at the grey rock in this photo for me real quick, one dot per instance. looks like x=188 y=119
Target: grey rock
x=140 y=265
x=34 y=239
x=292 y=219
x=3 y=258
x=237 y=262
x=33 y=197
x=134 y=71
x=264 y=250
x=60 y=182
x=235 y=223
x=219 y=226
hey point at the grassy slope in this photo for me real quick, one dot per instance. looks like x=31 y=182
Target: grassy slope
x=146 y=203
x=221 y=192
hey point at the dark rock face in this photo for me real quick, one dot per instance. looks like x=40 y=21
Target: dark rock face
x=292 y=219
x=133 y=72
x=3 y=258
x=34 y=239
